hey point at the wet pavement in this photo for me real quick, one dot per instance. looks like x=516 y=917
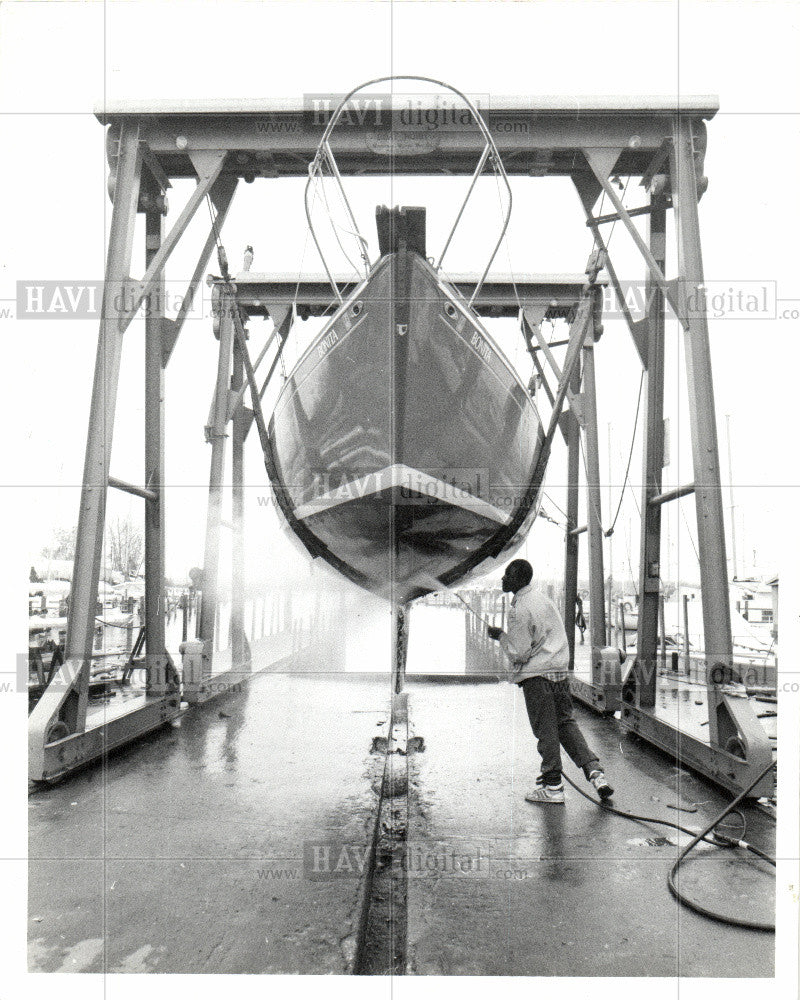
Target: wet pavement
x=186 y=852
x=192 y=850
x=497 y=886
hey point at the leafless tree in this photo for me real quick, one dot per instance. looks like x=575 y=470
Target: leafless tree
x=62 y=544
x=125 y=547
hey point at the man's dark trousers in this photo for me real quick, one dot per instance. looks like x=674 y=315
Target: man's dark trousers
x=549 y=705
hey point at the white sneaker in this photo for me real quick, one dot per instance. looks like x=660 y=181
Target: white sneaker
x=547 y=794
x=598 y=779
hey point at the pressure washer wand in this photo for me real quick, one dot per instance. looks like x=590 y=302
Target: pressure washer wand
x=472 y=610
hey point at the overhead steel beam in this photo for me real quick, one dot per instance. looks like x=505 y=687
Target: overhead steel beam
x=535 y=137
x=555 y=295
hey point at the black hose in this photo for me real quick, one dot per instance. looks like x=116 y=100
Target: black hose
x=717 y=840
x=756 y=925
x=647 y=819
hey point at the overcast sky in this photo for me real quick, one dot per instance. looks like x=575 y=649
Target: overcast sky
x=60 y=60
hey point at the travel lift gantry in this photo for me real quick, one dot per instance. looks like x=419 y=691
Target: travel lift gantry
x=217 y=144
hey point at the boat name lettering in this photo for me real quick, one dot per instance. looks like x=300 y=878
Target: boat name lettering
x=481 y=346
x=327 y=343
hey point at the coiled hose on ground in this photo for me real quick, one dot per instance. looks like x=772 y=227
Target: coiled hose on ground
x=717 y=839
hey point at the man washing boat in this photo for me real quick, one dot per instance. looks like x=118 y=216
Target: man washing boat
x=538 y=654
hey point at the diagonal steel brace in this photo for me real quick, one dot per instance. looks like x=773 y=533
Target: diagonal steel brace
x=656 y=272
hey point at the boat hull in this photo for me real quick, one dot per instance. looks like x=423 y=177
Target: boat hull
x=404 y=446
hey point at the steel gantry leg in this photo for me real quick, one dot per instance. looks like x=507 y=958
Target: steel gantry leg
x=91 y=519
x=218 y=432
x=733 y=724
x=235 y=373
x=571 y=539
x=161 y=674
x=737 y=749
x=594 y=520
x=601 y=691
x=61 y=712
x=60 y=738
x=239 y=658
x=653 y=389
